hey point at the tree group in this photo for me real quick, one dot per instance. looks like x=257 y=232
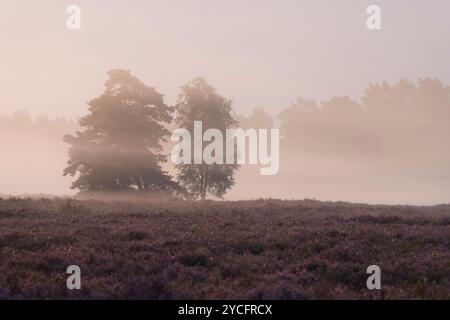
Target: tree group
x=119 y=146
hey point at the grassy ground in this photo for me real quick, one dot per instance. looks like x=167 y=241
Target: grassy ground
x=264 y=249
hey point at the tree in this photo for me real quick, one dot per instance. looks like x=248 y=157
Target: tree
x=259 y=118
x=119 y=146
x=200 y=102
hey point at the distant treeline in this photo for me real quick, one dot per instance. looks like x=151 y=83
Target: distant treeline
x=405 y=114
x=23 y=122
x=395 y=137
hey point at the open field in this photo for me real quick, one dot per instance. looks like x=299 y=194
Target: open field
x=265 y=249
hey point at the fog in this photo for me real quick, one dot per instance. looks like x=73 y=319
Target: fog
x=312 y=65
x=390 y=148
x=33 y=155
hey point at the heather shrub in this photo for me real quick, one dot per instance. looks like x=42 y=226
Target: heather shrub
x=222 y=250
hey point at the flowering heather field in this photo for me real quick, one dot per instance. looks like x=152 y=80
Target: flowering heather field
x=263 y=249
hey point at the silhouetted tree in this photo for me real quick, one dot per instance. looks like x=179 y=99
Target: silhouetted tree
x=200 y=102
x=119 y=146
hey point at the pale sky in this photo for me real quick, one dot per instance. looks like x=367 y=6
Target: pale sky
x=255 y=52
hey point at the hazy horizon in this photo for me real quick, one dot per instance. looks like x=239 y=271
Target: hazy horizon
x=256 y=53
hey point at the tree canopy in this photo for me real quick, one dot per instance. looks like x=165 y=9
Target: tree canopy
x=200 y=102
x=119 y=146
